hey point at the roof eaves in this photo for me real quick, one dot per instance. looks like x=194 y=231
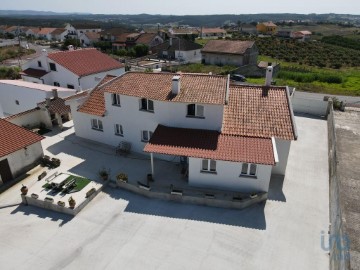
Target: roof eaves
x=291 y=113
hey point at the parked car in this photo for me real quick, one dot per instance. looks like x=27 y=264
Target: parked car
x=238 y=77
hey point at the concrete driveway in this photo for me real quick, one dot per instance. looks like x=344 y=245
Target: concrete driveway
x=121 y=230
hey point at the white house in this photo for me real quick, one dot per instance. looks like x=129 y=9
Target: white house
x=78 y=28
x=232 y=137
x=59 y=34
x=88 y=38
x=45 y=33
x=20 y=149
x=74 y=69
x=17 y=96
x=179 y=49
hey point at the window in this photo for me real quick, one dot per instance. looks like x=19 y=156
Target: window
x=248 y=169
x=39 y=64
x=118 y=130
x=70 y=86
x=52 y=66
x=115 y=99
x=17 y=102
x=56 y=84
x=146 y=135
x=208 y=165
x=194 y=110
x=147 y=105
x=96 y=124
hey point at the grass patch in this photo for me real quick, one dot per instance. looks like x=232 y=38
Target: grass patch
x=345 y=81
x=13 y=52
x=80 y=183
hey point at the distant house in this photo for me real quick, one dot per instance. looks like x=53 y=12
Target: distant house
x=59 y=34
x=179 y=49
x=74 y=69
x=129 y=40
x=3 y=29
x=111 y=34
x=266 y=28
x=88 y=38
x=229 y=52
x=45 y=33
x=20 y=150
x=33 y=32
x=212 y=33
x=301 y=35
x=187 y=33
x=17 y=96
x=284 y=33
x=80 y=28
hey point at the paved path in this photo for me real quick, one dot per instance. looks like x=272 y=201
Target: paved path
x=121 y=230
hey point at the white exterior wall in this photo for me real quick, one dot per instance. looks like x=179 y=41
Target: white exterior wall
x=22 y=159
x=32 y=79
x=33 y=119
x=309 y=106
x=193 y=56
x=223 y=59
x=27 y=97
x=283 y=148
x=88 y=82
x=133 y=120
x=227 y=177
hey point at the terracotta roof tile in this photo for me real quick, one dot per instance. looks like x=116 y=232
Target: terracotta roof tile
x=227 y=46
x=33 y=72
x=195 y=88
x=213 y=30
x=45 y=31
x=85 y=61
x=210 y=144
x=185 y=45
x=258 y=111
x=95 y=104
x=145 y=38
x=14 y=138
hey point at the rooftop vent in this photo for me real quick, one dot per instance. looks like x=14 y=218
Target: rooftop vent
x=269 y=75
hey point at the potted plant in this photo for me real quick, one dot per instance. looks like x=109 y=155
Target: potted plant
x=72 y=202
x=104 y=174
x=24 y=190
x=122 y=177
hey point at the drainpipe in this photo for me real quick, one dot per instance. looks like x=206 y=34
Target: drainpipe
x=152 y=164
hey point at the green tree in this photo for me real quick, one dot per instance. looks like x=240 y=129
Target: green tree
x=141 y=50
x=70 y=41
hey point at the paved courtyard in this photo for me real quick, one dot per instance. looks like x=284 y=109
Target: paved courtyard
x=121 y=230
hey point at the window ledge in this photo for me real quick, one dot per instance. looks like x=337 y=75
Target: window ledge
x=143 y=110
x=193 y=116
x=116 y=105
x=120 y=135
x=144 y=141
x=248 y=176
x=97 y=129
x=209 y=172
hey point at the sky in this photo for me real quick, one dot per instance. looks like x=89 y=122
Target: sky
x=186 y=7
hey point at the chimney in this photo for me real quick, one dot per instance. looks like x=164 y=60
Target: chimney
x=170 y=41
x=269 y=74
x=175 y=85
x=71 y=48
x=47 y=101
x=55 y=93
x=44 y=52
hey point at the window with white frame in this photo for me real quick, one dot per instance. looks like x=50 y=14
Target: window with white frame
x=146 y=135
x=208 y=165
x=249 y=169
x=146 y=105
x=118 y=130
x=97 y=124
x=115 y=99
x=194 y=110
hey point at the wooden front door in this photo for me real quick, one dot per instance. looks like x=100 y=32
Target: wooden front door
x=5 y=172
